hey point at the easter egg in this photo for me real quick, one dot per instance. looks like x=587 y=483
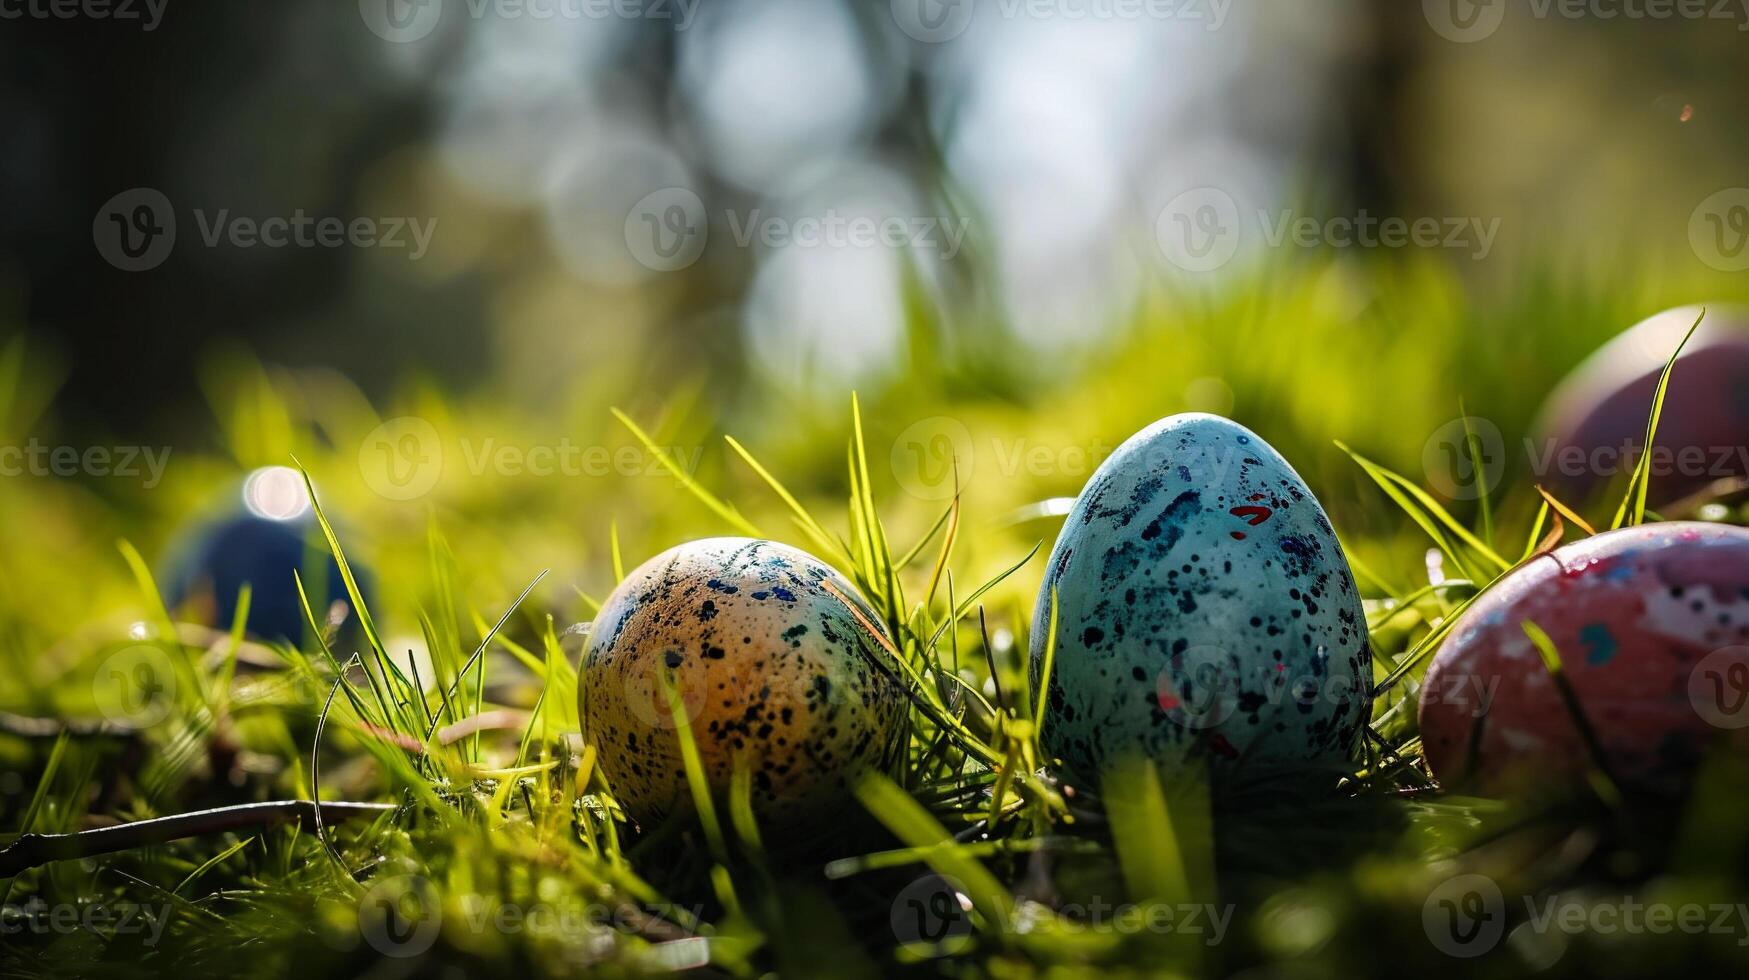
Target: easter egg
x=273 y=539
x=1206 y=615
x=1594 y=424
x=1649 y=623
x=775 y=662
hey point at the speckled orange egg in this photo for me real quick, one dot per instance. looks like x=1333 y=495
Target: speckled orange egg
x=770 y=665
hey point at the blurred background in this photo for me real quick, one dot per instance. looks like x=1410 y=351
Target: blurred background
x=426 y=248
x=426 y=245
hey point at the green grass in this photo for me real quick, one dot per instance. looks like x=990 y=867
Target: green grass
x=505 y=850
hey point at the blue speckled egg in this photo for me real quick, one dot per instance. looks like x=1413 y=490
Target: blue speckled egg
x=1206 y=614
x=774 y=669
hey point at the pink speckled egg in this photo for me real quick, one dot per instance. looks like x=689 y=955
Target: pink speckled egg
x=1603 y=405
x=1652 y=625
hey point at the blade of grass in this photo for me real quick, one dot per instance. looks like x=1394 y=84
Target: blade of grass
x=1386 y=479
x=809 y=525
x=1564 y=510
x=947 y=545
x=696 y=783
x=211 y=863
x=917 y=549
x=966 y=605
x=1143 y=835
x=1473 y=446
x=710 y=500
x=351 y=581
x=913 y=825
x=1601 y=779
x=480 y=651
x=1640 y=481
x=50 y=769
x=1044 y=677
x=1424 y=647
x=1536 y=530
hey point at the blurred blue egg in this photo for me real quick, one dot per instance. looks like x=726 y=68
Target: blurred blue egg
x=1206 y=614
x=272 y=536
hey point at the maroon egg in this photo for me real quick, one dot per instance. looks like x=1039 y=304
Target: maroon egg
x=1602 y=407
x=1652 y=627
